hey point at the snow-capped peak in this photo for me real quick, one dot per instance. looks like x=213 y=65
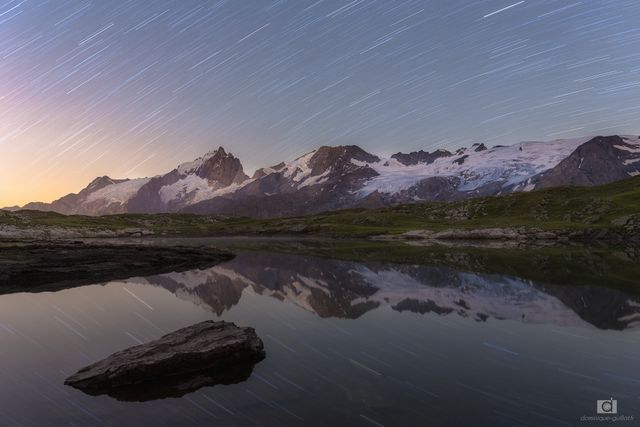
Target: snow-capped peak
x=214 y=174
x=190 y=167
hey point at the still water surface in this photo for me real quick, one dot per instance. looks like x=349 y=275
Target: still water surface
x=347 y=343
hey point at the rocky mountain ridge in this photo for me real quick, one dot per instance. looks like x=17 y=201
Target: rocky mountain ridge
x=332 y=178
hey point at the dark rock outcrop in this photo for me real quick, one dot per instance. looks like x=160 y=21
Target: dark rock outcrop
x=421 y=307
x=434 y=188
x=339 y=158
x=178 y=363
x=479 y=147
x=415 y=157
x=147 y=199
x=599 y=161
x=223 y=168
x=51 y=267
x=461 y=160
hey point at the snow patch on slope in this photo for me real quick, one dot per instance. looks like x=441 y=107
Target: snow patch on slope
x=298 y=169
x=625 y=148
x=118 y=193
x=315 y=180
x=508 y=165
x=194 y=189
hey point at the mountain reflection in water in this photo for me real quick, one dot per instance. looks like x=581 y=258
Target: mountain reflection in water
x=343 y=289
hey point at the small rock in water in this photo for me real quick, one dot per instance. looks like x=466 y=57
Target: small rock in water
x=181 y=362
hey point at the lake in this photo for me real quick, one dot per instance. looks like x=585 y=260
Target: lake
x=349 y=340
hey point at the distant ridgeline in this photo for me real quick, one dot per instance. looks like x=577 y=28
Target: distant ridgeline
x=332 y=178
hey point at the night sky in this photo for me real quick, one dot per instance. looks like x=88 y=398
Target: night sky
x=132 y=88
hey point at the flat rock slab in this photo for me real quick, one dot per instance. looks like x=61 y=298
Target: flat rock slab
x=181 y=362
x=49 y=267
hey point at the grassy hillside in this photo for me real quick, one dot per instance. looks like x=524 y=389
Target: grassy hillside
x=551 y=209
x=609 y=208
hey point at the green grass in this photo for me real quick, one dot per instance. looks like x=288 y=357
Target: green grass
x=612 y=207
x=550 y=209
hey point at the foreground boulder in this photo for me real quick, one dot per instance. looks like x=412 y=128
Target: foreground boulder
x=181 y=362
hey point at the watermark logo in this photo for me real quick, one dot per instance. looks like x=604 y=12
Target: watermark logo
x=607 y=411
x=608 y=407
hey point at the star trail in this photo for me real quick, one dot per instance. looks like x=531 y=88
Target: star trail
x=132 y=88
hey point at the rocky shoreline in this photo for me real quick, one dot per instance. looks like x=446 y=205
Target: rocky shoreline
x=628 y=233
x=12 y=232
x=520 y=235
x=51 y=266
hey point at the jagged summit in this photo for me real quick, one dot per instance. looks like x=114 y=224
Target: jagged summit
x=421 y=156
x=217 y=166
x=340 y=156
x=215 y=155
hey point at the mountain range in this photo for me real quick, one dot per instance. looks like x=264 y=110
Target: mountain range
x=340 y=177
